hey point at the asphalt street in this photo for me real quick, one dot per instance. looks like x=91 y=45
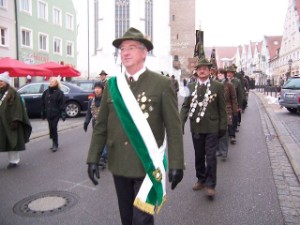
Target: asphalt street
x=246 y=189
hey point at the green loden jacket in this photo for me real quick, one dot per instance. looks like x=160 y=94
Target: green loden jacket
x=162 y=110
x=12 y=110
x=239 y=91
x=215 y=117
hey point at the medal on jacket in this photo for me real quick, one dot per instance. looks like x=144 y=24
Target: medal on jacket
x=202 y=105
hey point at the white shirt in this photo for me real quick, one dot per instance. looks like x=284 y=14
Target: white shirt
x=205 y=82
x=137 y=74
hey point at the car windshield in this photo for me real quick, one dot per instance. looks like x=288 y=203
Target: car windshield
x=86 y=86
x=293 y=83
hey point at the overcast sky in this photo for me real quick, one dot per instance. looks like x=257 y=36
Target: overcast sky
x=236 y=22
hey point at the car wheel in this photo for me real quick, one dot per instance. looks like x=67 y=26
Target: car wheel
x=72 y=109
x=292 y=110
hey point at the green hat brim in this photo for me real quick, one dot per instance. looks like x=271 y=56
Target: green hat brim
x=133 y=34
x=119 y=41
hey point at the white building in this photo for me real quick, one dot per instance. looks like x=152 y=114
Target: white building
x=7 y=29
x=109 y=20
x=289 y=55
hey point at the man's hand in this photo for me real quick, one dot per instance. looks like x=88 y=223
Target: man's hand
x=63 y=116
x=175 y=176
x=93 y=170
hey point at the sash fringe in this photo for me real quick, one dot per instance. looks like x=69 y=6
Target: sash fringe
x=144 y=206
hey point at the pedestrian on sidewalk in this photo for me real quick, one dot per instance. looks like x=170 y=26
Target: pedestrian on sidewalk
x=138 y=114
x=92 y=113
x=53 y=108
x=231 y=109
x=15 y=127
x=206 y=109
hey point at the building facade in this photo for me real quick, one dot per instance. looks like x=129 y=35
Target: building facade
x=46 y=31
x=182 y=24
x=108 y=20
x=8 y=46
x=289 y=55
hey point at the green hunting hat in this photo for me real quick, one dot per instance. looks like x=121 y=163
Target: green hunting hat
x=103 y=73
x=202 y=62
x=231 y=69
x=135 y=35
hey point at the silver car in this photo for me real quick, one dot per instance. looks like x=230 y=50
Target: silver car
x=290 y=94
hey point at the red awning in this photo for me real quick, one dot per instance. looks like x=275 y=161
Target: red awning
x=60 y=70
x=18 y=68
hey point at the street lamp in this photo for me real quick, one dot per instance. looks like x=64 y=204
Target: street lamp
x=116 y=55
x=290 y=62
x=116 y=58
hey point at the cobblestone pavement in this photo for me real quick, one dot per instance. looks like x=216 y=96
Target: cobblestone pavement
x=287 y=183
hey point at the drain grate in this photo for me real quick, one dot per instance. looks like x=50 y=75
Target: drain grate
x=45 y=204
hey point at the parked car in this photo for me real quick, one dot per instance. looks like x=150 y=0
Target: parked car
x=290 y=94
x=76 y=98
x=87 y=85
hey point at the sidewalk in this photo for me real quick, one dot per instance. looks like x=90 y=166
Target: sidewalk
x=40 y=127
x=292 y=149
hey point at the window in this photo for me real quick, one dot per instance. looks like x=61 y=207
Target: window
x=25 y=6
x=4 y=38
x=57 y=16
x=43 y=42
x=26 y=37
x=121 y=17
x=31 y=89
x=3 y=3
x=57 y=46
x=69 y=21
x=42 y=10
x=70 y=48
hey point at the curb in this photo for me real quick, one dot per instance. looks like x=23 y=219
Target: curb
x=60 y=128
x=290 y=147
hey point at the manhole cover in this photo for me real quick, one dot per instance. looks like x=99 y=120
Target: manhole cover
x=45 y=204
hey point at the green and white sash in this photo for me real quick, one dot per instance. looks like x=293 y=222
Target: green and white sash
x=152 y=193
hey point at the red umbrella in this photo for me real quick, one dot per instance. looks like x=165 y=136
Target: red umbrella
x=60 y=70
x=20 y=69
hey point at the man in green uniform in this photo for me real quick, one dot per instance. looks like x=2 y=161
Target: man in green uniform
x=239 y=95
x=138 y=108
x=15 y=128
x=206 y=109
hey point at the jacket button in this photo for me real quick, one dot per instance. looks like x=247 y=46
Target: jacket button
x=126 y=143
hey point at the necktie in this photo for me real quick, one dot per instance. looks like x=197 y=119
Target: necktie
x=130 y=78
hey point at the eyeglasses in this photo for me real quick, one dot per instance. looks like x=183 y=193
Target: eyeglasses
x=131 y=48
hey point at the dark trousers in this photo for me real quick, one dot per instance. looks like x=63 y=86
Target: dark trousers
x=205 y=146
x=231 y=130
x=235 y=120
x=127 y=189
x=239 y=117
x=53 y=122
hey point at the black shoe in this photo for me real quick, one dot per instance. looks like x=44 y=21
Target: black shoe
x=54 y=149
x=12 y=165
x=224 y=158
